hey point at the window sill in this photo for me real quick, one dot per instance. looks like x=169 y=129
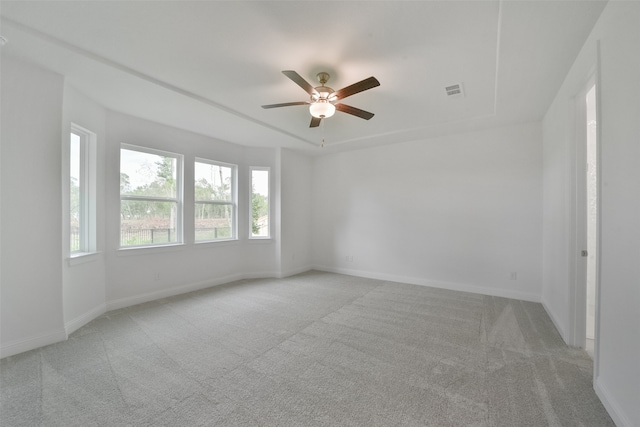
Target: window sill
x=144 y=250
x=211 y=243
x=83 y=258
x=261 y=240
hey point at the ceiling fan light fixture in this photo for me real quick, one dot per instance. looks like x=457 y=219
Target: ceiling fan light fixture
x=322 y=102
x=322 y=109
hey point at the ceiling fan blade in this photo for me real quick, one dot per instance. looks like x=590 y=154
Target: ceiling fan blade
x=297 y=79
x=315 y=122
x=354 y=111
x=362 y=85
x=285 y=104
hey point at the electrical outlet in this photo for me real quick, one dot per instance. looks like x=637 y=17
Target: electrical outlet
x=156 y=277
x=514 y=275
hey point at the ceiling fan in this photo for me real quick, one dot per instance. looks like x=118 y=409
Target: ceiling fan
x=322 y=104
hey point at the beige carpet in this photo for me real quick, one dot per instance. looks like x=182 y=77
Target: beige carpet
x=316 y=349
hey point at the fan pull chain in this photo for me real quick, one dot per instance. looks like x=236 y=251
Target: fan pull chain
x=322 y=124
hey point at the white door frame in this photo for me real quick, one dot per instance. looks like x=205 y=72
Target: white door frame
x=579 y=215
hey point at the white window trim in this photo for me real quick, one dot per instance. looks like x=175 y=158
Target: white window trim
x=233 y=203
x=178 y=199
x=88 y=195
x=83 y=258
x=268 y=170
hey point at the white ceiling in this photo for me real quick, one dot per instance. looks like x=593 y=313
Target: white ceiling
x=208 y=66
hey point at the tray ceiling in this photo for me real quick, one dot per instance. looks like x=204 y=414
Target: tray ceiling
x=207 y=66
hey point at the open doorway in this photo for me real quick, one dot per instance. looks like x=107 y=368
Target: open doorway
x=591 y=177
x=585 y=281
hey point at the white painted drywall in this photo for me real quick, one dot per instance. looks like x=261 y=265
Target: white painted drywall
x=558 y=170
x=131 y=273
x=295 y=207
x=618 y=350
x=461 y=211
x=83 y=279
x=31 y=218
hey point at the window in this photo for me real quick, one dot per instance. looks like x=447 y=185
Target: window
x=82 y=191
x=215 y=201
x=260 y=203
x=150 y=197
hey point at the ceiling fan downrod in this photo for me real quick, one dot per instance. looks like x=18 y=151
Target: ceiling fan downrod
x=323 y=77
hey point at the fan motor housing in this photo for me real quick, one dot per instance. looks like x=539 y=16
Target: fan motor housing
x=322 y=92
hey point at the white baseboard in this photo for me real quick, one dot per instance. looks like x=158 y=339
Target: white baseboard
x=260 y=275
x=182 y=289
x=20 y=346
x=177 y=290
x=293 y=272
x=556 y=323
x=463 y=287
x=617 y=415
x=75 y=324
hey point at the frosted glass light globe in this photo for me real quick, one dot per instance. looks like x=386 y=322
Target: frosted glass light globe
x=322 y=109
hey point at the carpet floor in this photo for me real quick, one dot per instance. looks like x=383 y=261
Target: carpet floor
x=316 y=349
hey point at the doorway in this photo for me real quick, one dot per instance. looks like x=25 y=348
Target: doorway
x=591 y=186
x=585 y=244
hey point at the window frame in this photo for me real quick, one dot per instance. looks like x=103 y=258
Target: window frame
x=251 y=170
x=178 y=199
x=87 y=196
x=233 y=203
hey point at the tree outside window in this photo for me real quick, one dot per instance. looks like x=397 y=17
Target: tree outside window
x=150 y=197
x=215 y=200
x=260 y=223
x=82 y=191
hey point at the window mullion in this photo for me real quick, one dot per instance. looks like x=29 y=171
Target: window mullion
x=150 y=198
x=215 y=202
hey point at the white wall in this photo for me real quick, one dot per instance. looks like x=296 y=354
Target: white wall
x=619 y=371
x=558 y=199
x=617 y=381
x=83 y=278
x=31 y=217
x=131 y=273
x=295 y=172
x=44 y=293
x=461 y=212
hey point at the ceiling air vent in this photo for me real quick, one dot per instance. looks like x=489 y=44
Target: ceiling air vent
x=455 y=91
